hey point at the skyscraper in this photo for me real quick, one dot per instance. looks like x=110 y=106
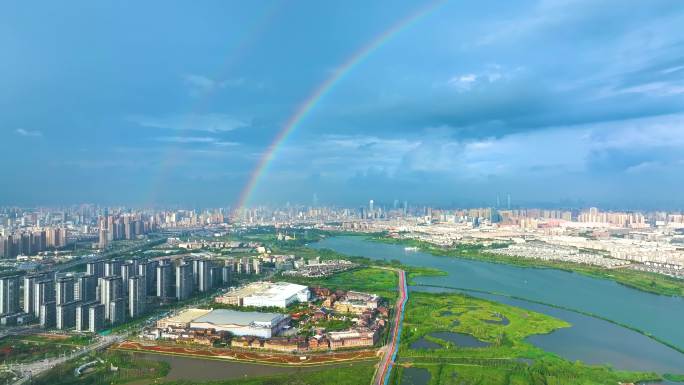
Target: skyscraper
x=64 y=290
x=65 y=315
x=29 y=282
x=137 y=295
x=127 y=271
x=203 y=276
x=47 y=314
x=85 y=288
x=43 y=292
x=96 y=318
x=165 y=281
x=9 y=294
x=117 y=311
x=95 y=268
x=226 y=274
x=184 y=281
x=83 y=315
x=110 y=292
x=112 y=268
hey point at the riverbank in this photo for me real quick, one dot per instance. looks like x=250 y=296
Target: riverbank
x=452 y=335
x=640 y=280
x=614 y=344
x=588 y=314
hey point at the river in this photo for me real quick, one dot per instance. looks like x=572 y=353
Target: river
x=589 y=339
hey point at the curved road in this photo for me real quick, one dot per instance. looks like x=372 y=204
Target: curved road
x=382 y=375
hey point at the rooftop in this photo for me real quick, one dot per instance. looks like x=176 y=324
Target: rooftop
x=188 y=315
x=233 y=317
x=273 y=290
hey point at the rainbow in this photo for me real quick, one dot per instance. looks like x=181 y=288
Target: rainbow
x=247 y=40
x=305 y=108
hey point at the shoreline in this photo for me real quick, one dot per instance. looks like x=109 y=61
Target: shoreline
x=588 y=314
x=482 y=256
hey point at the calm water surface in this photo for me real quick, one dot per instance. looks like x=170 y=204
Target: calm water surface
x=590 y=340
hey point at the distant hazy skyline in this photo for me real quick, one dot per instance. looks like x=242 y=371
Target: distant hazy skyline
x=121 y=102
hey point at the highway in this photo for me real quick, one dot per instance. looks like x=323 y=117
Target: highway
x=382 y=375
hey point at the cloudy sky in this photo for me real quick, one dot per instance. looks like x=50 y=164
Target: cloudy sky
x=126 y=102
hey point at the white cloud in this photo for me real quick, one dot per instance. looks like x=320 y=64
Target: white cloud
x=197 y=140
x=185 y=139
x=672 y=69
x=213 y=123
x=558 y=151
x=490 y=74
x=23 y=132
x=200 y=84
x=651 y=89
x=463 y=82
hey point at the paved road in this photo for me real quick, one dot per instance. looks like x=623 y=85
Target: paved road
x=36 y=368
x=390 y=352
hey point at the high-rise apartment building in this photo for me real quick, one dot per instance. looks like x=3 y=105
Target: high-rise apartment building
x=9 y=294
x=64 y=290
x=165 y=281
x=184 y=281
x=110 y=292
x=137 y=296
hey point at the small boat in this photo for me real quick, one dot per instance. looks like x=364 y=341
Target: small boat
x=410 y=248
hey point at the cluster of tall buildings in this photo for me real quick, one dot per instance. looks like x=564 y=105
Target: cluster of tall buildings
x=108 y=292
x=32 y=241
x=118 y=227
x=619 y=219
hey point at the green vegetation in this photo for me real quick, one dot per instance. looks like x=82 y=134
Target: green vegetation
x=7 y=377
x=641 y=280
x=111 y=368
x=546 y=372
x=353 y=374
x=367 y=279
x=508 y=360
x=334 y=324
x=437 y=312
x=38 y=347
x=674 y=377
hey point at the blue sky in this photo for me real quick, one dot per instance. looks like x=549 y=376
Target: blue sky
x=173 y=103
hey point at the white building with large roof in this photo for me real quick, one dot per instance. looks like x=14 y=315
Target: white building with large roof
x=266 y=294
x=239 y=323
x=264 y=325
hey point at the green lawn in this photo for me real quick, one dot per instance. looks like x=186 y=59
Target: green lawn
x=367 y=279
x=359 y=373
x=127 y=369
x=37 y=347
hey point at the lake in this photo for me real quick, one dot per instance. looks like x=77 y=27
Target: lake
x=589 y=339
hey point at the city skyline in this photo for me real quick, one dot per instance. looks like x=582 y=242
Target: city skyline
x=433 y=102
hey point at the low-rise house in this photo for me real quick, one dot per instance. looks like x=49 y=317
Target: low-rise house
x=285 y=344
x=352 y=338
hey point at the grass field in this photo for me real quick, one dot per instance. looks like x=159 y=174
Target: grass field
x=367 y=279
x=360 y=373
x=115 y=368
x=508 y=360
x=38 y=347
